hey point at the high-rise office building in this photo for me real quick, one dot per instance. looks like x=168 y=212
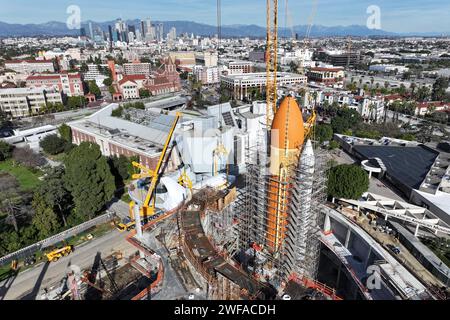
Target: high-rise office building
x=149 y=27
x=91 y=31
x=110 y=34
x=160 y=31
x=143 y=30
x=172 y=35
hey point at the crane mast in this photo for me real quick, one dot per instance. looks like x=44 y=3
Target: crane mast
x=271 y=60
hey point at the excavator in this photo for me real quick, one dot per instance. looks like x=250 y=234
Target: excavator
x=147 y=208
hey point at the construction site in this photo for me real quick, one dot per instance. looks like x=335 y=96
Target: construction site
x=239 y=213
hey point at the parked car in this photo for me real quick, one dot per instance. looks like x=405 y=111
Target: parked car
x=393 y=248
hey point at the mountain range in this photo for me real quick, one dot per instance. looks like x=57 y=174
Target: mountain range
x=54 y=28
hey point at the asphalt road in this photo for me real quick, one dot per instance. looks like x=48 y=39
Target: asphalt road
x=30 y=283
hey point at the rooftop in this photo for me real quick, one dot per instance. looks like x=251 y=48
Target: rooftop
x=409 y=165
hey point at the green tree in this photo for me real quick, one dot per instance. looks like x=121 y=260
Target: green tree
x=44 y=220
x=93 y=88
x=107 y=82
x=423 y=93
x=345 y=119
x=76 y=102
x=119 y=167
x=4 y=122
x=5 y=150
x=84 y=68
x=52 y=144
x=347 y=181
x=333 y=145
x=65 y=132
x=144 y=93
x=117 y=112
x=55 y=194
x=324 y=132
x=89 y=179
x=439 y=88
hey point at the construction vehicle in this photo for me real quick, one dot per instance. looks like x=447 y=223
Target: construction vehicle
x=147 y=208
x=55 y=254
x=126 y=225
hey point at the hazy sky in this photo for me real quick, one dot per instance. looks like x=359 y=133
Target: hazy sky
x=396 y=15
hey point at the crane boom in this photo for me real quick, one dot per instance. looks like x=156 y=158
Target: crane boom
x=155 y=176
x=271 y=60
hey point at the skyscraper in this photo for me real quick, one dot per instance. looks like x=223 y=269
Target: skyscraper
x=160 y=32
x=143 y=31
x=149 y=27
x=172 y=35
x=91 y=31
x=110 y=34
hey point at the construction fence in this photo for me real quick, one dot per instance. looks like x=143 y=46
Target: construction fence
x=27 y=251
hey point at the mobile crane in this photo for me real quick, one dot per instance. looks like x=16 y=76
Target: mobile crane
x=147 y=208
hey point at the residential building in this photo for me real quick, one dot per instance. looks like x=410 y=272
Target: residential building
x=207 y=75
x=24 y=102
x=372 y=108
x=239 y=67
x=241 y=85
x=137 y=68
x=129 y=86
x=207 y=59
x=326 y=75
x=30 y=66
x=257 y=56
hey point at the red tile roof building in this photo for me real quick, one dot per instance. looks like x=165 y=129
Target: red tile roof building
x=70 y=84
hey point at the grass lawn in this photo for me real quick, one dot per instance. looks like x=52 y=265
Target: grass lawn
x=96 y=232
x=28 y=179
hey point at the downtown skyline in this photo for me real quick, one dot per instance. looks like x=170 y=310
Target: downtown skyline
x=395 y=17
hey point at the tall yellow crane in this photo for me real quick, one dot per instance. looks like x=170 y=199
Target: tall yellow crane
x=272 y=63
x=271 y=60
x=148 y=206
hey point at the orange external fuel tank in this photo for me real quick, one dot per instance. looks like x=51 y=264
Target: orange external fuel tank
x=287 y=137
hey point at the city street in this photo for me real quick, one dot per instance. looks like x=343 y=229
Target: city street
x=28 y=283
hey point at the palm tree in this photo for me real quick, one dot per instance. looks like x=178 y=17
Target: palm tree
x=413 y=88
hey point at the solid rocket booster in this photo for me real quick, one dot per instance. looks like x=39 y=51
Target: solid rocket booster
x=287 y=136
x=306 y=177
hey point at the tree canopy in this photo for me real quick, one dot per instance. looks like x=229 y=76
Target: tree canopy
x=347 y=181
x=324 y=132
x=52 y=144
x=94 y=89
x=5 y=150
x=439 y=88
x=89 y=179
x=65 y=132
